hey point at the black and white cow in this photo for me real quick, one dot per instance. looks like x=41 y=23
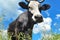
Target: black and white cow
x=25 y=21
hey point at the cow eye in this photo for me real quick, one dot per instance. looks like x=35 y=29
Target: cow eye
x=31 y=8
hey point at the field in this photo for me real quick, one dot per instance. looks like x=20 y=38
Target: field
x=3 y=36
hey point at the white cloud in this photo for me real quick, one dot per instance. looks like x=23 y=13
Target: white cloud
x=59 y=29
x=19 y=12
x=46 y=36
x=57 y=16
x=47 y=13
x=44 y=26
x=9 y=7
x=55 y=24
x=35 y=29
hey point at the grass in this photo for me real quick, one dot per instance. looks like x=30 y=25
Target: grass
x=51 y=37
x=21 y=36
x=0 y=36
x=3 y=36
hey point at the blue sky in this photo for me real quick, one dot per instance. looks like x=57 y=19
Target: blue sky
x=9 y=11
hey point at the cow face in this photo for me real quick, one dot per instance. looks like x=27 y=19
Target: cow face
x=34 y=9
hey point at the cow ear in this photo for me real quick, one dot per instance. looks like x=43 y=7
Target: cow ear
x=44 y=7
x=23 y=5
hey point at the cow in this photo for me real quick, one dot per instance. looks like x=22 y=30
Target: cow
x=25 y=21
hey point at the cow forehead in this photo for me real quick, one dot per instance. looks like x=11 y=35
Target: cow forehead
x=33 y=3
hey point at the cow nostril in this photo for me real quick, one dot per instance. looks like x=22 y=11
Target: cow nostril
x=41 y=17
x=38 y=17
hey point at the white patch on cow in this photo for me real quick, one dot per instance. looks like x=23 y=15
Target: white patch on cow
x=34 y=9
x=33 y=18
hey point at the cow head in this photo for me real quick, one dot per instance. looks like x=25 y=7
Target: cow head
x=35 y=8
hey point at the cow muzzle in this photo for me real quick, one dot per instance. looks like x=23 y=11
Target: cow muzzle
x=39 y=19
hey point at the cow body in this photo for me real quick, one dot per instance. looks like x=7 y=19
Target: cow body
x=24 y=23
